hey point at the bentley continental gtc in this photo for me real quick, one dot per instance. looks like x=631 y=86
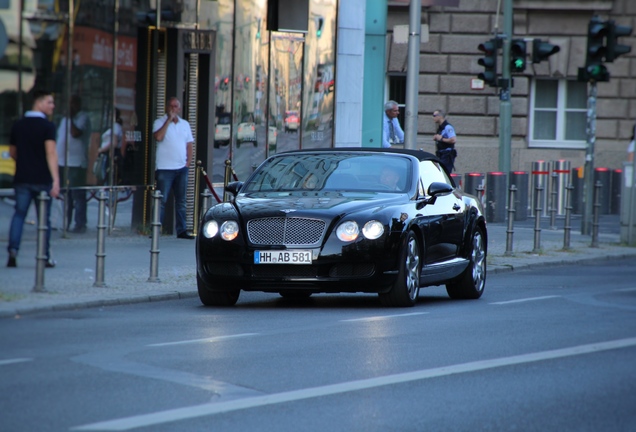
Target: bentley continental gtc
x=383 y=221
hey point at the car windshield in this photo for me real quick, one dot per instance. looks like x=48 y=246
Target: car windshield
x=332 y=172
x=224 y=120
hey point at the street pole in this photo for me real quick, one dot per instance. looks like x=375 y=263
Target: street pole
x=505 y=107
x=588 y=172
x=412 y=75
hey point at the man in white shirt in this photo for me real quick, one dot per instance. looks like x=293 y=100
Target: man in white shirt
x=392 y=132
x=174 y=152
x=77 y=133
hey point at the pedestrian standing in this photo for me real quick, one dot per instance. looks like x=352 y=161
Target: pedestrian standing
x=174 y=152
x=445 y=140
x=78 y=137
x=32 y=146
x=392 y=132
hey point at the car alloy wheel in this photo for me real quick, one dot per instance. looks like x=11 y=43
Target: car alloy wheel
x=470 y=284
x=406 y=288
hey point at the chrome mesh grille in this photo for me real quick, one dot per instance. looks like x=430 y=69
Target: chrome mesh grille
x=285 y=231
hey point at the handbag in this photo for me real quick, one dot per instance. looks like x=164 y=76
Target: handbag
x=100 y=168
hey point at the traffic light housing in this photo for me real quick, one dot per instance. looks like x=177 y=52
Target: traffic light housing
x=613 y=48
x=489 y=62
x=225 y=83
x=517 y=55
x=320 y=22
x=542 y=50
x=596 y=52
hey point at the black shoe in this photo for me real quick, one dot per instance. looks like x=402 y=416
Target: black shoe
x=78 y=230
x=185 y=235
x=12 y=261
x=50 y=263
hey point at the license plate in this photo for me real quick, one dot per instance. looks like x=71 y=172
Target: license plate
x=282 y=257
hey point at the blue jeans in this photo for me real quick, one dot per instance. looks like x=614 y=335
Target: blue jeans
x=74 y=199
x=177 y=181
x=24 y=194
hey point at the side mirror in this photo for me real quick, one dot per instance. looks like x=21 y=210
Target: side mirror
x=234 y=187
x=434 y=190
x=439 y=189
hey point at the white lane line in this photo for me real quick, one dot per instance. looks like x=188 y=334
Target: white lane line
x=206 y=340
x=383 y=317
x=626 y=289
x=185 y=413
x=525 y=300
x=15 y=360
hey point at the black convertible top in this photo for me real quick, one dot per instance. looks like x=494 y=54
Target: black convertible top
x=419 y=154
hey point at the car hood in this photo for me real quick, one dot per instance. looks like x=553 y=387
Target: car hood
x=323 y=205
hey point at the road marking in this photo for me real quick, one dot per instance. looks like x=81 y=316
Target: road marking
x=15 y=360
x=207 y=409
x=383 y=317
x=626 y=289
x=525 y=300
x=206 y=340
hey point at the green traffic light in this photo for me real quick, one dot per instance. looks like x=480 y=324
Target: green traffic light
x=519 y=64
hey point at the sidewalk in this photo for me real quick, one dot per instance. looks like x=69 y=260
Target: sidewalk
x=70 y=285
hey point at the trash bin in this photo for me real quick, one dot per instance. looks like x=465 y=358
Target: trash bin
x=472 y=181
x=496 y=196
x=457 y=178
x=603 y=175
x=615 y=194
x=520 y=180
x=540 y=178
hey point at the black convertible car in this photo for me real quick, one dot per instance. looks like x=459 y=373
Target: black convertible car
x=379 y=221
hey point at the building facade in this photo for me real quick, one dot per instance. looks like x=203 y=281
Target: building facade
x=549 y=105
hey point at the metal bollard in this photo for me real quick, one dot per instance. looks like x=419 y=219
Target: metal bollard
x=553 y=200
x=226 y=179
x=40 y=259
x=156 y=227
x=101 y=233
x=195 y=213
x=511 y=218
x=206 y=199
x=567 y=228
x=597 y=209
x=537 y=221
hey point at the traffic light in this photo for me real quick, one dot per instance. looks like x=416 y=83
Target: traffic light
x=247 y=80
x=594 y=69
x=225 y=82
x=517 y=55
x=320 y=22
x=613 y=48
x=542 y=50
x=489 y=62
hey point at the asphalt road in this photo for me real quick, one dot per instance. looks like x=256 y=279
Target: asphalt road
x=540 y=351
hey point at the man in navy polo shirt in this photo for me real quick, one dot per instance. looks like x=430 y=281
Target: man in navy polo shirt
x=32 y=145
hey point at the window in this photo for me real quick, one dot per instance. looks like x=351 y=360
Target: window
x=397 y=92
x=558 y=115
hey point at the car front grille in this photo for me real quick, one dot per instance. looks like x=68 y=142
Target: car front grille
x=285 y=231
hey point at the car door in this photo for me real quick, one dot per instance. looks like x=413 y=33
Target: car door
x=443 y=220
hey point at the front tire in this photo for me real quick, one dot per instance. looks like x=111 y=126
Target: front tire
x=406 y=288
x=216 y=298
x=471 y=283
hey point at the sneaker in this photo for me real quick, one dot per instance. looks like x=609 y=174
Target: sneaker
x=50 y=263
x=185 y=235
x=12 y=260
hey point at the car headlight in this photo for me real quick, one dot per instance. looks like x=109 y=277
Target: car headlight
x=347 y=231
x=229 y=230
x=210 y=229
x=373 y=229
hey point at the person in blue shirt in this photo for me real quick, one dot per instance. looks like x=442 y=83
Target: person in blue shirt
x=392 y=133
x=445 y=139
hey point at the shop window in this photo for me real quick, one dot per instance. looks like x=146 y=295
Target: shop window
x=558 y=114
